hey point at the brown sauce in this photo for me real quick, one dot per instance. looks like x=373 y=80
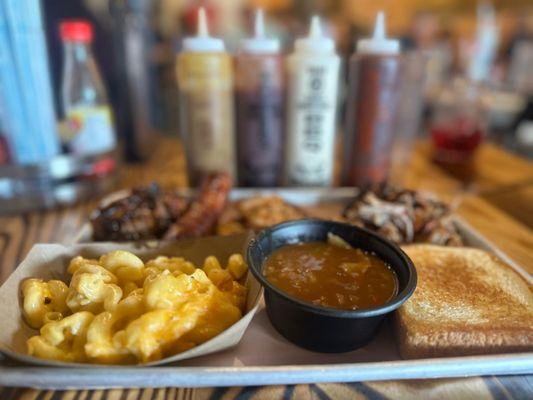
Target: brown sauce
x=333 y=276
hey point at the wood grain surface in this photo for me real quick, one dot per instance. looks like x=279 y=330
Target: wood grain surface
x=515 y=201
x=486 y=203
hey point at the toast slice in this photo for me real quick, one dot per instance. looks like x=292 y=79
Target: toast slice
x=467 y=301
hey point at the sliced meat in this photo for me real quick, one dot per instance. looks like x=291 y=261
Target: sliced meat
x=202 y=215
x=403 y=216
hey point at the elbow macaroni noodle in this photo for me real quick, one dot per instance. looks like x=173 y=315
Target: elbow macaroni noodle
x=43 y=301
x=119 y=310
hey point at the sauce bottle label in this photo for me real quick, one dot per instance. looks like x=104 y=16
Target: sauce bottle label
x=89 y=130
x=312 y=125
x=211 y=144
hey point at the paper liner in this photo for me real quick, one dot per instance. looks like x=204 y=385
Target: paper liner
x=49 y=261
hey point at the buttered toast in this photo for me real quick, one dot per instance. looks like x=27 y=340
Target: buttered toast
x=467 y=301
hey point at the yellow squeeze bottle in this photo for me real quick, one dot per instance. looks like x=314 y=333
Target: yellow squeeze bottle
x=205 y=80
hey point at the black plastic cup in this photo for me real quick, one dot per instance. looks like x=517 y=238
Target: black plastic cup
x=318 y=328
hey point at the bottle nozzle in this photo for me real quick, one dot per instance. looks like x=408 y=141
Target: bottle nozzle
x=315 y=41
x=379 y=28
x=202 y=42
x=315 y=31
x=379 y=43
x=259 y=43
x=203 y=29
x=259 y=24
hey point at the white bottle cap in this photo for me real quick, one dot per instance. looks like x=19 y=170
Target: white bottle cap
x=315 y=42
x=259 y=43
x=379 y=44
x=202 y=42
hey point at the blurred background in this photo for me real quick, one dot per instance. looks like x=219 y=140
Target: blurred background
x=135 y=44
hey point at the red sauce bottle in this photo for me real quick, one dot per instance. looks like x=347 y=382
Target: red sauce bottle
x=373 y=97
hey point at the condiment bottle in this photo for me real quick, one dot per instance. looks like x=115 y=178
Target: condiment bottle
x=89 y=124
x=373 y=94
x=259 y=83
x=313 y=71
x=205 y=80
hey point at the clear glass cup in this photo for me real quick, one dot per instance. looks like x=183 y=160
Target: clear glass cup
x=409 y=112
x=457 y=129
x=458 y=125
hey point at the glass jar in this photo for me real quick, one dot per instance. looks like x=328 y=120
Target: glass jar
x=458 y=125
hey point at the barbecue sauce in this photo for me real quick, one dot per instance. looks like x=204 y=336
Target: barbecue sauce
x=330 y=275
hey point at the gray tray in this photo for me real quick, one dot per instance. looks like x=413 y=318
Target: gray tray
x=264 y=358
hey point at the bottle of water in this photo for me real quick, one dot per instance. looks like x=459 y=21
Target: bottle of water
x=89 y=123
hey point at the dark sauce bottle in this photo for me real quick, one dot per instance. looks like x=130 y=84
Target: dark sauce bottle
x=259 y=85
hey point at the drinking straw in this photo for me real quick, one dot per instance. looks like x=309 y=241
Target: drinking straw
x=25 y=86
x=14 y=121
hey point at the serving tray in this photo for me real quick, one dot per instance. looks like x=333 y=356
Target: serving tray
x=263 y=357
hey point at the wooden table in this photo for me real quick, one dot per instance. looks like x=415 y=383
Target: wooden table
x=498 y=202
